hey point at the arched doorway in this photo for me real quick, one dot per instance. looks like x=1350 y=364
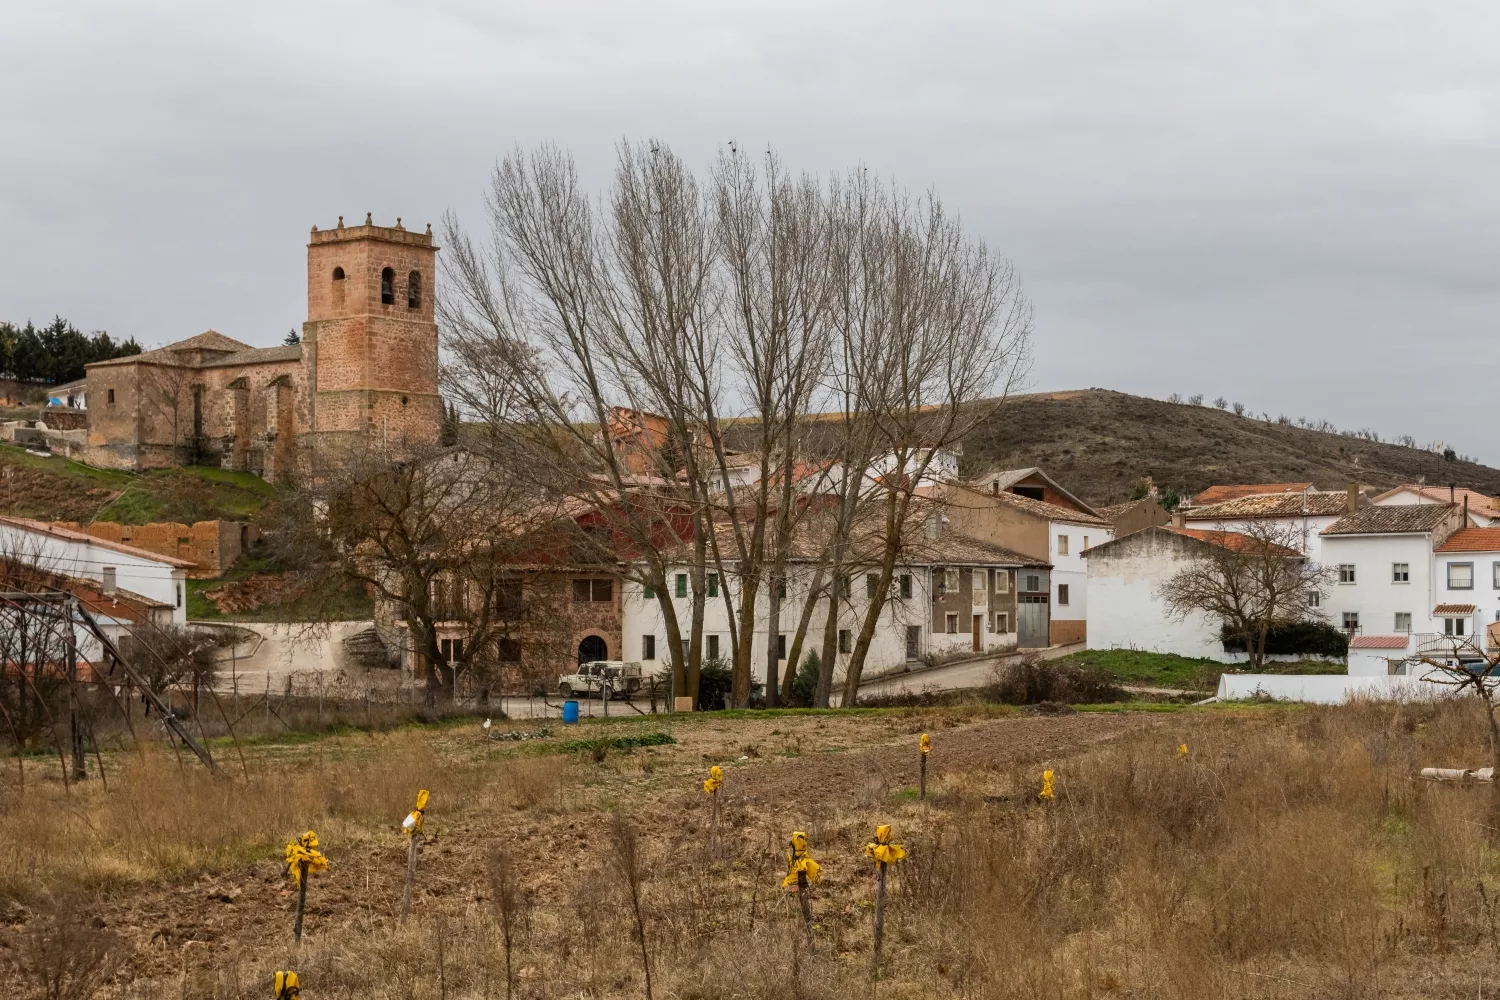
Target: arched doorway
x=591 y=649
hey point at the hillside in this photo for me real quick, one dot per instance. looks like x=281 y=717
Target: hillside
x=1100 y=443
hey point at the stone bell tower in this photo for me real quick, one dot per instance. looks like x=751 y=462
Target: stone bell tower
x=369 y=345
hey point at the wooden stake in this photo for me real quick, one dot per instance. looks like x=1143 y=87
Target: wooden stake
x=924 y=778
x=879 y=910
x=301 y=902
x=411 y=874
x=713 y=828
x=806 y=904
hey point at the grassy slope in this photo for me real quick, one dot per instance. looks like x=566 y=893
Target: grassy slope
x=1168 y=670
x=1099 y=443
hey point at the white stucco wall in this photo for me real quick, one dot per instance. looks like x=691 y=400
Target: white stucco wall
x=1483 y=594
x=1374 y=595
x=142 y=573
x=1125 y=611
x=1307 y=528
x=1327 y=689
x=1071 y=570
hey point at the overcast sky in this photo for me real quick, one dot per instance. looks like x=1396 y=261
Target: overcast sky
x=1293 y=204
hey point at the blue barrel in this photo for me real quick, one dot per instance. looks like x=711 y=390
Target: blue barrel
x=570 y=712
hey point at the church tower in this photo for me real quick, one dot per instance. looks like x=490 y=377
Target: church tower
x=369 y=345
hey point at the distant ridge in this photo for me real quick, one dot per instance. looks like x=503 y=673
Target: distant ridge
x=1099 y=443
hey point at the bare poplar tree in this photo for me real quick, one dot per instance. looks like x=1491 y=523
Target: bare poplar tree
x=936 y=331
x=1250 y=580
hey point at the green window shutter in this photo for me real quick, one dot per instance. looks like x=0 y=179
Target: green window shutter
x=682 y=585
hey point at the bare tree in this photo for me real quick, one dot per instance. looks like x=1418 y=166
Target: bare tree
x=167 y=390
x=1251 y=581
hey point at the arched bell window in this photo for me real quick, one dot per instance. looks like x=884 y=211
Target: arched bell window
x=387 y=287
x=414 y=290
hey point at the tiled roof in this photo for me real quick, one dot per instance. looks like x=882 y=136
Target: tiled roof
x=208 y=340
x=258 y=356
x=1234 y=541
x=1380 y=641
x=1472 y=540
x=1050 y=511
x=1218 y=494
x=1454 y=609
x=1406 y=519
x=1317 y=503
x=1113 y=511
x=42 y=527
x=965 y=550
x=1440 y=494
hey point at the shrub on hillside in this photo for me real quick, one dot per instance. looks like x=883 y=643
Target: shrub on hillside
x=715 y=683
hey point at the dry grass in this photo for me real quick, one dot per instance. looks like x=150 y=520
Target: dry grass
x=1290 y=854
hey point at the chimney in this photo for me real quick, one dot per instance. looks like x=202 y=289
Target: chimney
x=1451 y=488
x=1353 y=503
x=1179 y=519
x=934 y=526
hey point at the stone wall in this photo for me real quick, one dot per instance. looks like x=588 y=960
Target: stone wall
x=212 y=546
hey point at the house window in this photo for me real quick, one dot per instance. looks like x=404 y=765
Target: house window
x=1460 y=576
x=510 y=651
x=906 y=585
x=648 y=592
x=682 y=585
x=1002 y=623
x=593 y=591
x=1062 y=545
x=1033 y=582
x=713 y=585
x=781 y=587
x=713 y=647
x=780 y=645
x=1346 y=572
x=871 y=582
x=648 y=647
x=387 y=287
x=845 y=585
x=1403 y=621
x=951 y=624
x=913 y=641
x=1400 y=572
x=508 y=599
x=1062 y=593
x=1351 y=621
x=1314 y=599
x=1085 y=541
x=1495 y=576
x=978 y=578
x=111 y=397
x=845 y=641
x=179 y=595
x=1002 y=581
x=948 y=582
x=109 y=579
x=1454 y=626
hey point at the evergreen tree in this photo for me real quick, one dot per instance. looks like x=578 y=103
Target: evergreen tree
x=56 y=352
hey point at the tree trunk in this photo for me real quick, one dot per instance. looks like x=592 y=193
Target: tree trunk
x=749 y=591
x=830 y=649
x=794 y=657
x=893 y=525
x=773 y=641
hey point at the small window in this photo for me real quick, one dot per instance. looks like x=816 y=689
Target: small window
x=1495 y=576
x=1351 y=621
x=1460 y=576
x=648 y=592
x=1062 y=545
x=713 y=585
x=510 y=651
x=1002 y=623
x=951 y=624
x=1403 y=621
x=781 y=587
x=1454 y=626
x=593 y=591
x=905 y=585
x=338 y=274
x=1002 y=581
x=846 y=585
x=1033 y=582
x=111 y=397
x=1314 y=599
x=713 y=647
x=979 y=580
x=109 y=579
x=1346 y=572
x=846 y=643
x=414 y=290
x=781 y=645
x=871 y=582
x=387 y=287
x=682 y=584
x=950 y=581
x=179 y=595
x=1401 y=572
x=1062 y=593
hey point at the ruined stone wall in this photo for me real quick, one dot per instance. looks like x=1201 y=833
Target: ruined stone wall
x=212 y=546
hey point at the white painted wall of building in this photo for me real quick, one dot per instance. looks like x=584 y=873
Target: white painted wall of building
x=1375 y=595
x=1307 y=528
x=142 y=573
x=1328 y=689
x=1483 y=594
x=1125 y=611
x=1405 y=498
x=1071 y=569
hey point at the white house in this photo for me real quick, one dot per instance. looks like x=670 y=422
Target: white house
x=71 y=395
x=155 y=580
x=1385 y=587
x=1466 y=578
x=1482 y=509
x=1125 y=579
x=1300 y=513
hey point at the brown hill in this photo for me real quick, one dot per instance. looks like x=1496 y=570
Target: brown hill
x=1100 y=443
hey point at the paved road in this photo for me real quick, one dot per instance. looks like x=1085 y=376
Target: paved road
x=970 y=674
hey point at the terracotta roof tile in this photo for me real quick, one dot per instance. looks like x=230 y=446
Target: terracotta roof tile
x=1380 y=641
x=1454 y=609
x=1050 y=511
x=1234 y=541
x=1472 y=540
x=1218 y=494
x=1407 y=519
x=1317 y=503
x=1440 y=494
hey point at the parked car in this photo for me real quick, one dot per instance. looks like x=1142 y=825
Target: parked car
x=606 y=678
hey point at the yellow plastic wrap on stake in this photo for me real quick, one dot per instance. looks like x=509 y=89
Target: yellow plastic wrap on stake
x=799 y=860
x=287 y=986
x=925 y=744
x=305 y=849
x=715 y=779
x=1182 y=751
x=881 y=849
x=413 y=823
x=1046 y=793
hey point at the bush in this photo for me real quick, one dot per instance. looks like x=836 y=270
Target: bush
x=715 y=684
x=1033 y=681
x=1308 y=638
x=805 y=684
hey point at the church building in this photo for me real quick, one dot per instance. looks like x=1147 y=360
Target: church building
x=365 y=371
